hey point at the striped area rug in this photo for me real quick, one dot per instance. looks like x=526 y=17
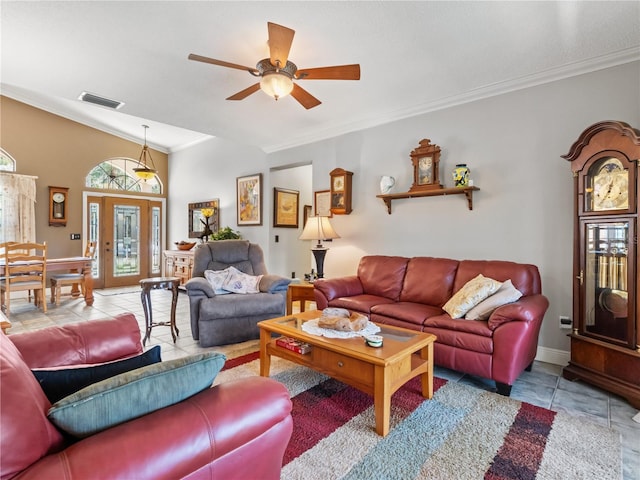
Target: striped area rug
x=462 y=433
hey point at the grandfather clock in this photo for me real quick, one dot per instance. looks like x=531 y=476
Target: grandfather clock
x=605 y=340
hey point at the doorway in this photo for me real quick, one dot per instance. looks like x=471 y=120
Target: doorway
x=128 y=233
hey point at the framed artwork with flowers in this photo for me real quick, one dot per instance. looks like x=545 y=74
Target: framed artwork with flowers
x=249 y=193
x=204 y=218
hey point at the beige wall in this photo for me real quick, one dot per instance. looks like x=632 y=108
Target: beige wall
x=61 y=152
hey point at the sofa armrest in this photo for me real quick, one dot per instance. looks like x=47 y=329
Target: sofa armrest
x=214 y=427
x=526 y=309
x=274 y=283
x=326 y=290
x=97 y=341
x=199 y=286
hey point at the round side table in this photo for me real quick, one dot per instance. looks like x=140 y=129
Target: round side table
x=148 y=284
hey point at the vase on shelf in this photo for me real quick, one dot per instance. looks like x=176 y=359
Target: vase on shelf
x=461 y=175
x=386 y=184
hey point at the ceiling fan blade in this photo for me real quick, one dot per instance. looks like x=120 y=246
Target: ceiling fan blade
x=245 y=93
x=338 y=72
x=280 y=39
x=213 y=61
x=305 y=98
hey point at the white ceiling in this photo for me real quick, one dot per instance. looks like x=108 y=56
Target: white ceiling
x=415 y=57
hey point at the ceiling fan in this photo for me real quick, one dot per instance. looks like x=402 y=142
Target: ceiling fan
x=277 y=72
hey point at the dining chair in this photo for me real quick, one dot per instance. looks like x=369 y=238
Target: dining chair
x=25 y=269
x=70 y=279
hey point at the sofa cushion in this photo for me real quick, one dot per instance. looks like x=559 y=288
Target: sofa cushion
x=382 y=276
x=216 y=279
x=134 y=394
x=239 y=282
x=359 y=303
x=414 y=313
x=472 y=293
x=61 y=382
x=27 y=434
x=445 y=322
x=507 y=293
x=429 y=280
x=524 y=277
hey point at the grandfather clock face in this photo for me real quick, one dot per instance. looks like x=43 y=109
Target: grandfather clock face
x=608 y=183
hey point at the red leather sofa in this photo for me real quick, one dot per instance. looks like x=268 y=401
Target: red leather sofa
x=237 y=429
x=410 y=293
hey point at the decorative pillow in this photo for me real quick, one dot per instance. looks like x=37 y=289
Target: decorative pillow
x=61 y=382
x=240 y=282
x=472 y=293
x=134 y=394
x=216 y=278
x=507 y=293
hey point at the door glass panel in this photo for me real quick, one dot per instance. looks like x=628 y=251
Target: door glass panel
x=606 y=279
x=126 y=240
x=155 y=240
x=94 y=236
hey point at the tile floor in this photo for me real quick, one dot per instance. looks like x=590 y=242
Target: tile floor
x=543 y=386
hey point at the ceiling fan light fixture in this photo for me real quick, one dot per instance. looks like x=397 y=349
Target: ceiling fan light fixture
x=276 y=84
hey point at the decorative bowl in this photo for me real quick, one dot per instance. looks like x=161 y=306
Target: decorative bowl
x=185 y=246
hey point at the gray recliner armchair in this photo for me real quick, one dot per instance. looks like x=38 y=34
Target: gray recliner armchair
x=232 y=318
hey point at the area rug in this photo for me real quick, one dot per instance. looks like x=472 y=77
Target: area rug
x=462 y=433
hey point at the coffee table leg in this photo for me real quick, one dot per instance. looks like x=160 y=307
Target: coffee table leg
x=426 y=353
x=265 y=358
x=382 y=401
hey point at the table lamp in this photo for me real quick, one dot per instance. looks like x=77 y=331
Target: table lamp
x=319 y=229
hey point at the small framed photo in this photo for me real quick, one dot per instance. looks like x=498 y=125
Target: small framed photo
x=285 y=208
x=249 y=200
x=306 y=213
x=322 y=203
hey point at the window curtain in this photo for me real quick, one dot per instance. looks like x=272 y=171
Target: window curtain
x=17 y=207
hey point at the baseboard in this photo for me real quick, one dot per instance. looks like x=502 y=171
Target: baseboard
x=551 y=355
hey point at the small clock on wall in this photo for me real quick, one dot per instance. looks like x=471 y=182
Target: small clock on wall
x=58 y=206
x=340 y=191
x=426 y=162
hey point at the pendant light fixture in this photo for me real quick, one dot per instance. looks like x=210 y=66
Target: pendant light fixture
x=145 y=172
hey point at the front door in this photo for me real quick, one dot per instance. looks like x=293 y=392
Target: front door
x=128 y=233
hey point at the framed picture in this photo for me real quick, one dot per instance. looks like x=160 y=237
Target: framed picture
x=285 y=208
x=306 y=213
x=249 y=201
x=198 y=219
x=322 y=202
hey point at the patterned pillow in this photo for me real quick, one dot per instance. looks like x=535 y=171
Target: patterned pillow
x=134 y=394
x=506 y=294
x=216 y=278
x=240 y=282
x=472 y=293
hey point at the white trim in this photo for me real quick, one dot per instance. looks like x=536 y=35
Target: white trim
x=551 y=355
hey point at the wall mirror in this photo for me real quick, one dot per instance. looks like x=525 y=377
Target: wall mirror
x=198 y=219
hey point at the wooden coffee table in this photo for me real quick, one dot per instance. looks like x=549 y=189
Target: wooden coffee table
x=379 y=372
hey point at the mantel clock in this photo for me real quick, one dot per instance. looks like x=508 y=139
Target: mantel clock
x=340 y=191
x=58 y=206
x=605 y=340
x=426 y=163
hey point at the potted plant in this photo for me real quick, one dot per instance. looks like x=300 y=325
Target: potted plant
x=226 y=234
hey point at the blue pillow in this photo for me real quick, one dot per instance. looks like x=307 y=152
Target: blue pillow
x=134 y=394
x=59 y=383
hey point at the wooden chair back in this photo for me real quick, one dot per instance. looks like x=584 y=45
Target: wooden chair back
x=25 y=268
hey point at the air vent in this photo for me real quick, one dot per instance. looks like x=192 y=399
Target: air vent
x=105 y=102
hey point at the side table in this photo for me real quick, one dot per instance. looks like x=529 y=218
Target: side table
x=148 y=284
x=302 y=292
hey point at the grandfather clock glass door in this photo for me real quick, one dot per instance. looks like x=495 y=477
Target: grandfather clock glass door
x=606 y=279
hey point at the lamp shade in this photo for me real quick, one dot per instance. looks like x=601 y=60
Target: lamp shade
x=318 y=228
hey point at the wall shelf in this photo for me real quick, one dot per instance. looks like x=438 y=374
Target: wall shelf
x=467 y=191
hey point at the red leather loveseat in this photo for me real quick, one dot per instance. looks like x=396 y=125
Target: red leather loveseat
x=410 y=293
x=238 y=429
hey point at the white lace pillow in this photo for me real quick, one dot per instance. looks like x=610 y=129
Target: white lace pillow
x=240 y=282
x=472 y=293
x=506 y=294
x=216 y=278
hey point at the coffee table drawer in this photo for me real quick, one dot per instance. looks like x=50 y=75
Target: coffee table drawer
x=342 y=367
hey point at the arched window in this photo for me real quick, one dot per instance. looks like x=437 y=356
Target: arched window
x=118 y=174
x=7 y=163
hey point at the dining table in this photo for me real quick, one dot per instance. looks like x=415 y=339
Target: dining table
x=71 y=265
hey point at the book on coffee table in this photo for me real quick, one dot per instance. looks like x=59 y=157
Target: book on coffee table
x=293 y=345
